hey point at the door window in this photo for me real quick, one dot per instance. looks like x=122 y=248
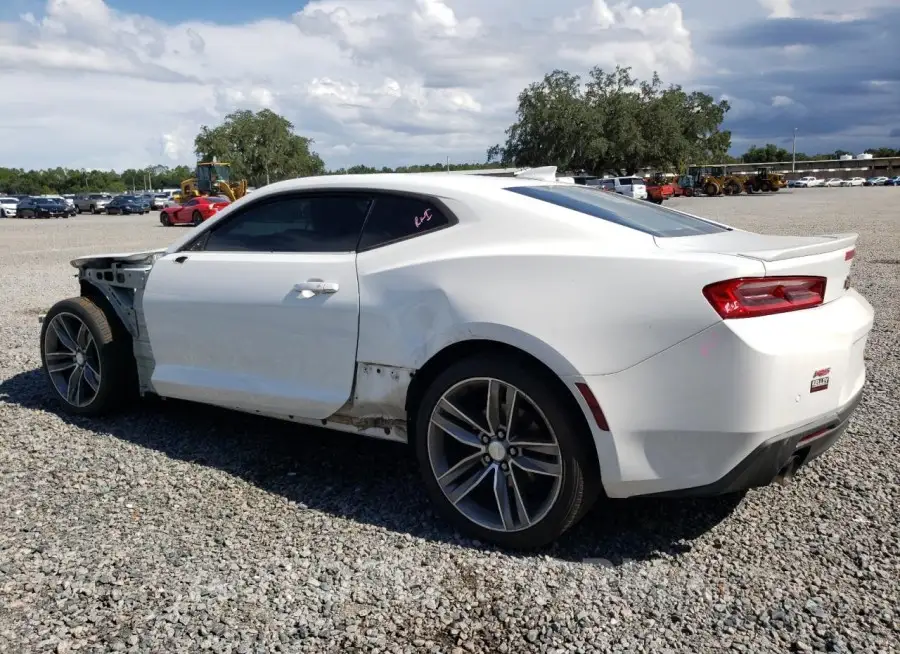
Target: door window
x=396 y=217
x=297 y=223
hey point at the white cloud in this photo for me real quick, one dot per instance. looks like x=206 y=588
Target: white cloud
x=381 y=82
x=373 y=81
x=778 y=8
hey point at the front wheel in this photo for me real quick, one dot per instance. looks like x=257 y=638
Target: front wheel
x=196 y=218
x=85 y=360
x=164 y=219
x=503 y=454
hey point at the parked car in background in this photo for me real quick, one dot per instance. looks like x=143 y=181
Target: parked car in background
x=808 y=182
x=158 y=201
x=42 y=208
x=876 y=181
x=853 y=181
x=632 y=187
x=126 y=205
x=194 y=211
x=92 y=202
x=8 y=206
x=834 y=181
x=893 y=181
x=391 y=306
x=68 y=204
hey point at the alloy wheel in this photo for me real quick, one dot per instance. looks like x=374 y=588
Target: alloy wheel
x=494 y=454
x=72 y=359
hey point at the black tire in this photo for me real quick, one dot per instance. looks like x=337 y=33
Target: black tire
x=765 y=187
x=580 y=480
x=164 y=219
x=116 y=359
x=93 y=209
x=196 y=218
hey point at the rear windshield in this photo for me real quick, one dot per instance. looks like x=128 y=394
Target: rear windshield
x=636 y=214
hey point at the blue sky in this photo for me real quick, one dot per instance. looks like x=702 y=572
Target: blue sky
x=391 y=82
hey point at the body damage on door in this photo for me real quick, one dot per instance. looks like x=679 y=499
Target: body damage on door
x=376 y=407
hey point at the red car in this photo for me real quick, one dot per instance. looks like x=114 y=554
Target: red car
x=194 y=211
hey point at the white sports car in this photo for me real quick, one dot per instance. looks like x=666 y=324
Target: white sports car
x=539 y=344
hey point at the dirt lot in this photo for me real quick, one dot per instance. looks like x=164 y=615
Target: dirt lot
x=180 y=528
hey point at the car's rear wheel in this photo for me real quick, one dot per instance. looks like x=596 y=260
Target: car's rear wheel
x=502 y=454
x=84 y=359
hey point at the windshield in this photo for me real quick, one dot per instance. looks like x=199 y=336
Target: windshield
x=636 y=214
x=46 y=201
x=211 y=174
x=129 y=198
x=8 y=201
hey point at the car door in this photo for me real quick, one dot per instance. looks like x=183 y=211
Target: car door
x=183 y=212
x=261 y=311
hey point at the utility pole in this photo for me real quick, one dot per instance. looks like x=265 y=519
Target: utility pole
x=794 y=153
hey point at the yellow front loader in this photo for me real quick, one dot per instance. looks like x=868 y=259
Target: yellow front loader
x=213 y=178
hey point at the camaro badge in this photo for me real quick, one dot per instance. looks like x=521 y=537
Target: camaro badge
x=819 y=380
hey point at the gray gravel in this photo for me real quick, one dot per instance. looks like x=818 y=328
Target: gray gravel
x=181 y=528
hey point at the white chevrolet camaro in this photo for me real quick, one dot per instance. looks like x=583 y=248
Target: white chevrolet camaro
x=538 y=344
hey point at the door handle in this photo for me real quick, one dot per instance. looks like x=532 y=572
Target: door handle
x=180 y=259
x=312 y=287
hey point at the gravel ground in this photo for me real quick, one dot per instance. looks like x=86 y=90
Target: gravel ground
x=180 y=528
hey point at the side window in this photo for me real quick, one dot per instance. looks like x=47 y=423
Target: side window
x=395 y=217
x=321 y=223
x=190 y=203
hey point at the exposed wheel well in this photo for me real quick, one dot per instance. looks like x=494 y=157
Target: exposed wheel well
x=120 y=332
x=458 y=351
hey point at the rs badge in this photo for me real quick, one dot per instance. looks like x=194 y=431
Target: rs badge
x=820 y=380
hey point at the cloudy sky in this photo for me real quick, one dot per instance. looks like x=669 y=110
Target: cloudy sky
x=124 y=83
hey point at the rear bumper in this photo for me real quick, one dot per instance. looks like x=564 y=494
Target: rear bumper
x=768 y=461
x=726 y=408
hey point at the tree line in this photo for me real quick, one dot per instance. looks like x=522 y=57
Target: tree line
x=610 y=122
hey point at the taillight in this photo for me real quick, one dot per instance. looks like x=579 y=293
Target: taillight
x=849 y=254
x=749 y=297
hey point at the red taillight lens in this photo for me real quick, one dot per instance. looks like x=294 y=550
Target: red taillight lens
x=750 y=297
x=849 y=254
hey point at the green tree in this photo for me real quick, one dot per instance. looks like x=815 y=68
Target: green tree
x=883 y=152
x=612 y=123
x=262 y=147
x=769 y=153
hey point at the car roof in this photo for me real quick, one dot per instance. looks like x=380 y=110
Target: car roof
x=426 y=183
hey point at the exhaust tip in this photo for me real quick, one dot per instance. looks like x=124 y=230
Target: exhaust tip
x=785 y=475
